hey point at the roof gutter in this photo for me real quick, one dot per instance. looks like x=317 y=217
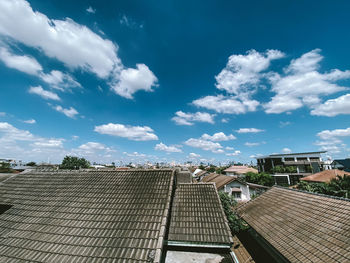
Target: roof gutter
x=203 y=245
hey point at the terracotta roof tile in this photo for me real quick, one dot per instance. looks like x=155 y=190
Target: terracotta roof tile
x=303 y=227
x=219 y=179
x=325 y=176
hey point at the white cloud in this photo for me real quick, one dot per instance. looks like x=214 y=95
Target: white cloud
x=172 y=148
x=334 y=134
x=29 y=65
x=227 y=104
x=73 y=44
x=57 y=143
x=31 y=121
x=302 y=85
x=25 y=64
x=135 y=133
x=59 y=80
x=183 y=118
x=135 y=154
x=90 y=10
x=286 y=150
x=205 y=145
x=92 y=146
x=252 y=144
x=333 y=107
x=235 y=153
x=193 y=156
x=71 y=112
x=132 y=80
x=229 y=148
x=45 y=94
x=241 y=74
x=249 y=130
x=217 y=137
x=75 y=137
x=224 y=120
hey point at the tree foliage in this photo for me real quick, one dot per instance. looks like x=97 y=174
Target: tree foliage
x=74 y=163
x=260 y=178
x=339 y=186
x=5 y=168
x=235 y=223
x=284 y=169
x=31 y=164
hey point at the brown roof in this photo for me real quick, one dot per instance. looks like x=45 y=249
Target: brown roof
x=240 y=251
x=90 y=216
x=197 y=216
x=219 y=179
x=236 y=190
x=240 y=169
x=325 y=176
x=302 y=226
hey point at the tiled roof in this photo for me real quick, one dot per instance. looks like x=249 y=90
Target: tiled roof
x=241 y=252
x=240 y=169
x=197 y=216
x=303 y=227
x=325 y=176
x=95 y=216
x=219 y=179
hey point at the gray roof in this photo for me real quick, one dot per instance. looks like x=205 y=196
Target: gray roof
x=92 y=216
x=302 y=226
x=197 y=216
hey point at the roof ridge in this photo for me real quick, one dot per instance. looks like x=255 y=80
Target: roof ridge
x=312 y=193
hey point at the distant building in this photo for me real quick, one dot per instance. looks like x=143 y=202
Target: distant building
x=289 y=168
x=341 y=164
x=325 y=176
x=239 y=170
x=295 y=226
x=234 y=186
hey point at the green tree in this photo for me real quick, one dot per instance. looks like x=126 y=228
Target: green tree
x=339 y=186
x=31 y=164
x=201 y=167
x=5 y=168
x=74 y=163
x=235 y=223
x=211 y=169
x=260 y=178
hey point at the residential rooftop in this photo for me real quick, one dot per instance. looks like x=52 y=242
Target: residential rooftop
x=94 y=216
x=325 y=176
x=301 y=226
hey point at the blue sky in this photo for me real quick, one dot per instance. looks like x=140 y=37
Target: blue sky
x=211 y=81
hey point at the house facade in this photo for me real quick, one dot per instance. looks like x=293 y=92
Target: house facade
x=341 y=164
x=240 y=190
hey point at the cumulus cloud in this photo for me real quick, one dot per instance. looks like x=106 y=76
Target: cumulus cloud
x=286 y=150
x=22 y=144
x=171 y=149
x=31 y=66
x=241 y=74
x=235 y=153
x=205 y=145
x=25 y=64
x=183 y=118
x=194 y=155
x=334 y=134
x=31 y=121
x=73 y=44
x=71 y=112
x=302 y=85
x=135 y=133
x=219 y=136
x=132 y=80
x=227 y=104
x=249 y=130
x=45 y=94
x=333 y=107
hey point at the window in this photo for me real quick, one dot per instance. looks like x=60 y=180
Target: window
x=236 y=195
x=4 y=208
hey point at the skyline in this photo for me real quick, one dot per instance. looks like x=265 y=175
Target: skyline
x=174 y=81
